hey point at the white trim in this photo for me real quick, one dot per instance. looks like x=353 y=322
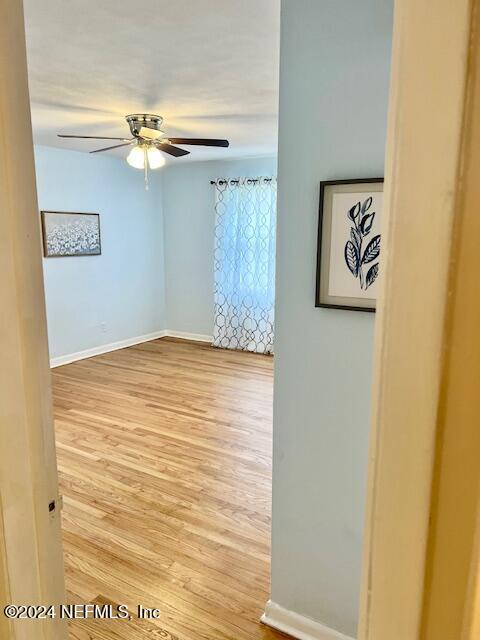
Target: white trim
x=298 y=626
x=184 y=335
x=105 y=348
x=130 y=342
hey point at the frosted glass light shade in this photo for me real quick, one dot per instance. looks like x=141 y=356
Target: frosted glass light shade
x=136 y=158
x=155 y=158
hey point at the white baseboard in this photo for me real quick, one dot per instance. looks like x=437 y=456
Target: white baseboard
x=298 y=626
x=198 y=337
x=113 y=346
x=105 y=348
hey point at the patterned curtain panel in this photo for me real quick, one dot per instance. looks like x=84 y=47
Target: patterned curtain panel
x=245 y=264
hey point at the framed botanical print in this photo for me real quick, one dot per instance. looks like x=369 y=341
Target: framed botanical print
x=67 y=234
x=348 y=250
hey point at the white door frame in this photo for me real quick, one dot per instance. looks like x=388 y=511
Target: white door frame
x=31 y=565
x=427 y=325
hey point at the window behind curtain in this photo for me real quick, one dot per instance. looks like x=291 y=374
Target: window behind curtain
x=245 y=264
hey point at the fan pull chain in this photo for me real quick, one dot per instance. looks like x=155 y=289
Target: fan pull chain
x=145 y=162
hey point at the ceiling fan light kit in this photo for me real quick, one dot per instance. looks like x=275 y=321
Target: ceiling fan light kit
x=149 y=141
x=145 y=156
x=155 y=158
x=136 y=158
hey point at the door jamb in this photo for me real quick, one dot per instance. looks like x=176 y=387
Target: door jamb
x=425 y=322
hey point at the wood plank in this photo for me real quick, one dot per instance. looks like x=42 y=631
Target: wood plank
x=164 y=456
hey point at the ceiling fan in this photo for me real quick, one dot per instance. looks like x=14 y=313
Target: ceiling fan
x=148 y=141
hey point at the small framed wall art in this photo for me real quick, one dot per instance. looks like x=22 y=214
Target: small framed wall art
x=67 y=234
x=348 y=250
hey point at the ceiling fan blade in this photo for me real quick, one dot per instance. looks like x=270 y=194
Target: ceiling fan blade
x=64 y=135
x=170 y=149
x=206 y=142
x=150 y=134
x=115 y=146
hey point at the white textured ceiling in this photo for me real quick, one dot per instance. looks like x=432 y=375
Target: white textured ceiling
x=209 y=67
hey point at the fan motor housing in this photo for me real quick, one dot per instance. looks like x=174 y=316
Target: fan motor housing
x=138 y=120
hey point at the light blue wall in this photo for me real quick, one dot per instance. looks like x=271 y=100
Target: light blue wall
x=124 y=287
x=334 y=80
x=156 y=267
x=188 y=205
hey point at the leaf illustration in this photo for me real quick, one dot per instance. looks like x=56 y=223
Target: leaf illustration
x=367 y=204
x=354 y=212
x=366 y=223
x=355 y=237
x=372 y=250
x=352 y=258
x=371 y=275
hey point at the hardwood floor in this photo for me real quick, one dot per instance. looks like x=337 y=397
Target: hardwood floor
x=164 y=464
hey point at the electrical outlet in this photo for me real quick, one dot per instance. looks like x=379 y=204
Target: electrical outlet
x=103 y=327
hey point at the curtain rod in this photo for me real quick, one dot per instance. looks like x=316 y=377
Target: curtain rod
x=222 y=181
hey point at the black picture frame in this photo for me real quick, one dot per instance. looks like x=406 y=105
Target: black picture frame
x=321 y=214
